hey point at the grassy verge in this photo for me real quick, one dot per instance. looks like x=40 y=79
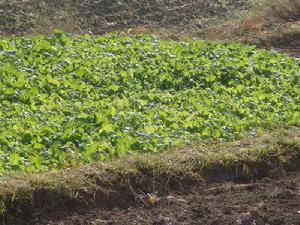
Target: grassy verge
x=123 y=181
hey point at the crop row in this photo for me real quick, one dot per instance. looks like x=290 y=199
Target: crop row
x=66 y=100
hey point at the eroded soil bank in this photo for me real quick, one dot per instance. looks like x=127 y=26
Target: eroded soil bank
x=271 y=200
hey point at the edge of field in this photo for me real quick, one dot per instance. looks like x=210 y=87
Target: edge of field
x=121 y=182
x=266 y=23
x=125 y=181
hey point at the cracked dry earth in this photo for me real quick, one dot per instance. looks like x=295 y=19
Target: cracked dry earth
x=270 y=201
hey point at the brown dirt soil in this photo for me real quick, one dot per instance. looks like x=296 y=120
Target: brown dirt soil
x=260 y=202
x=263 y=31
x=100 y=16
x=269 y=201
x=212 y=20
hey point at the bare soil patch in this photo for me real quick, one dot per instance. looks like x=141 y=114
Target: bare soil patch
x=267 y=201
x=100 y=16
x=227 y=20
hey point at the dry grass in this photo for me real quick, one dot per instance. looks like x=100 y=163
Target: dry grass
x=272 y=23
x=288 y=10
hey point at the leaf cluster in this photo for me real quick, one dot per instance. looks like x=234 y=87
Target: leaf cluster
x=67 y=100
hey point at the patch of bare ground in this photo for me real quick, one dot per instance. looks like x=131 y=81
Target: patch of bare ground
x=271 y=34
x=266 y=23
x=260 y=202
x=100 y=16
x=271 y=24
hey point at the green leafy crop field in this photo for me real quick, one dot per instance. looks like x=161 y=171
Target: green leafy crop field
x=67 y=100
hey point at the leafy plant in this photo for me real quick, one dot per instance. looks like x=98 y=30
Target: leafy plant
x=67 y=100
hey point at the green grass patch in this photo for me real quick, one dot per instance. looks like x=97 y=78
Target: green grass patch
x=68 y=100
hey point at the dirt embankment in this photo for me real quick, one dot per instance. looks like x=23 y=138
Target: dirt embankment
x=260 y=202
x=247 y=182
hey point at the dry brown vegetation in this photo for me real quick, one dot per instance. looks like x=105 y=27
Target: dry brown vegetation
x=267 y=23
x=272 y=23
x=26 y=17
x=285 y=9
